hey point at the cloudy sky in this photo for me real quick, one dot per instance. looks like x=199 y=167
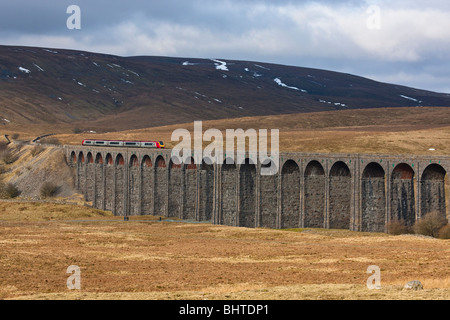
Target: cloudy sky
x=403 y=42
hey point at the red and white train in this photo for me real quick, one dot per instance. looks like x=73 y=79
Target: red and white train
x=123 y=143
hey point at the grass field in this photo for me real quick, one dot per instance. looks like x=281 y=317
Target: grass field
x=145 y=258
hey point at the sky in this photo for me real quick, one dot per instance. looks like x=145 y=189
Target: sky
x=401 y=42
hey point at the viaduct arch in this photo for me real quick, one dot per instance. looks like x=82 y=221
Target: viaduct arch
x=338 y=191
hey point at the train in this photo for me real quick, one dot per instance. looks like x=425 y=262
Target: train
x=123 y=143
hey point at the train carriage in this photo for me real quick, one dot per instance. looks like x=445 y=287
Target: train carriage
x=123 y=143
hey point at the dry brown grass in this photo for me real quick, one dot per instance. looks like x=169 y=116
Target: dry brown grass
x=148 y=259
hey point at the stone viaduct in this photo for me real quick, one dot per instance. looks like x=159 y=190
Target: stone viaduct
x=358 y=192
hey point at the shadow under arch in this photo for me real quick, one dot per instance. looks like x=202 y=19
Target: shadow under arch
x=175 y=188
x=147 y=181
x=314 y=215
x=402 y=195
x=134 y=186
x=247 y=194
x=340 y=186
x=290 y=195
x=228 y=196
x=433 y=190
x=268 y=197
x=160 y=185
x=119 y=203
x=99 y=182
x=206 y=190
x=373 y=198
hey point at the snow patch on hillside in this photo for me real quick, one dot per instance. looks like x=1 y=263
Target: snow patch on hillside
x=24 y=70
x=259 y=66
x=255 y=74
x=135 y=73
x=39 y=68
x=51 y=51
x=334 y=103
x=79 y=83
x=409 y=98
x=126 y=81
x=220 y=65
x=278 y=81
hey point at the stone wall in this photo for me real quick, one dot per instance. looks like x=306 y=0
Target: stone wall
x=206 y=192
x=99 y=196
x=175 y=190
x=161 y=188
x=432 y=189
x=147 y=187
x=290 y=195
x=247 y=195
x=189 y=188
x=90 y=179
x=402 y=194
x=134 y=183
x=356 y=192
x=314 y=215
x=120 y=187
x=268 y=201
x=339 y=196
x=373 y=196
x=228 y=195
x=110 y=186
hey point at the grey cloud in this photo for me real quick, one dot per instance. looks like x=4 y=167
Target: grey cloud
x=321 y=34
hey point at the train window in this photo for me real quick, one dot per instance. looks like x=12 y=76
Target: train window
x=130 y=143
x=114 y=142
x=87 y=142
x=99 y=142
x=149 y=144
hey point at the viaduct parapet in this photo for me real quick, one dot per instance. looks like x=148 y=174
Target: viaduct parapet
x=359 y=192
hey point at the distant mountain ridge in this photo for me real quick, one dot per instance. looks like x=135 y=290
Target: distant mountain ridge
x=45 y=85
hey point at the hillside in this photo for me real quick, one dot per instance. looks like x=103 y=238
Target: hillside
x=59 y=90
x=383 y=130
x=29 y=167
